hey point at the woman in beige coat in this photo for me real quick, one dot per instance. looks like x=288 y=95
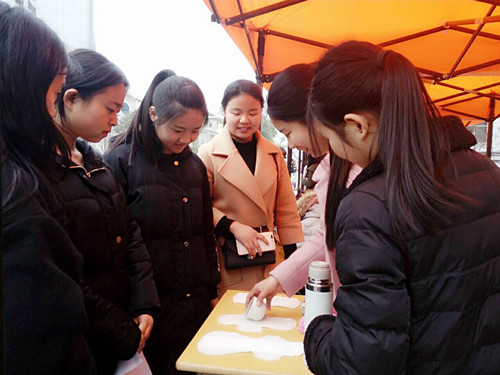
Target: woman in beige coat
x=250 y=186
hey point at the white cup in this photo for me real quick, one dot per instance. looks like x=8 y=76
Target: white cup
x=254 y=312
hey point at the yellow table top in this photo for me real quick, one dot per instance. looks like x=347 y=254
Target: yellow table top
x=243 y=363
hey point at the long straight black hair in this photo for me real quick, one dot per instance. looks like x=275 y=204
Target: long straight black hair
x=31 y=56
x=172 y=96
x=356 y=77
x=289 y=93
x=287 y=101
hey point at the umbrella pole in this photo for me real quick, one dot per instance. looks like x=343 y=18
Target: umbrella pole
x=489 y=136
x=300 y=166
x=261 y=44
x=289 y=160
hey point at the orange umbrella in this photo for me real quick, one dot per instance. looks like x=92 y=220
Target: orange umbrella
x=455 y=44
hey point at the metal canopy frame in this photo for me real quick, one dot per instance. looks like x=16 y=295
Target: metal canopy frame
x=437 y=78
x=261 y=11
x=240 y=22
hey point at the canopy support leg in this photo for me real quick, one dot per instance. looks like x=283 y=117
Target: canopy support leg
x=489 y=136
x=261 y=44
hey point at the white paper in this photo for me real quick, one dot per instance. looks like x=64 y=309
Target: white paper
x=247 y=325
x=268 y=348
x=278 y=301
x=137 y=365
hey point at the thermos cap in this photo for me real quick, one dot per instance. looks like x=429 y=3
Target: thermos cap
x=319 y=270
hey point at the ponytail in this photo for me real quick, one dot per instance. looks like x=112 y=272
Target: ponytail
x=412 y=146
x=141 y=130
x=172 y=96
x=356 y=77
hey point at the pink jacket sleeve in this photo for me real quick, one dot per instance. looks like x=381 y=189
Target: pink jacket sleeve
x=292 y=273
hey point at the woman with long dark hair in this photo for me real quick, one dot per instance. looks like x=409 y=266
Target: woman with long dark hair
x=43 y=307
x=117 y=281
x=287 y=107
x=167 y=188
x=416 y=234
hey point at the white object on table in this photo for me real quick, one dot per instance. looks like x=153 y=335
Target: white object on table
x=278 y=301
x=268 y=348
x=246 y=325
x=254 y=312
x=137 y=365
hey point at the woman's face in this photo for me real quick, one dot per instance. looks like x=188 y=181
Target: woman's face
x=54 y=89
x=93 y=118
x=298 y=137
x=243 y=115
x=351 y=149
x=179 y=132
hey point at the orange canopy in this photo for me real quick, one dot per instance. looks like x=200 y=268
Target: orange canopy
x=455 y=44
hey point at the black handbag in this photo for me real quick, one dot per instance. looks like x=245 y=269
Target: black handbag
x=232 y=260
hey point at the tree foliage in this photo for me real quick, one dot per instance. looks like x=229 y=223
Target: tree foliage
x=267 y=129
x=124 y=120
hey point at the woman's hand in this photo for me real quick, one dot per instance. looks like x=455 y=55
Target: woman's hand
x=267 y=289
x=248 y=237
x=145 y=323
x=214 y=302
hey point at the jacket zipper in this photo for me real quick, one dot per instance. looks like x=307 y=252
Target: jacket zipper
x=87 y=173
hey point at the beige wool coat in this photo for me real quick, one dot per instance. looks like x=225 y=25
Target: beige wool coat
x=265 y=198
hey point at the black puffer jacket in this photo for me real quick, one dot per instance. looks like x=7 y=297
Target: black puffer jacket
x=427 y=305
x=117 y=280
x=172 y=204
x=43 y=307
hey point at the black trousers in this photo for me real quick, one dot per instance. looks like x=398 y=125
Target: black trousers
x=173 y=329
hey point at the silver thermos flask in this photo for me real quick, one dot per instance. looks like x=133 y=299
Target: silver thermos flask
x=319 y=292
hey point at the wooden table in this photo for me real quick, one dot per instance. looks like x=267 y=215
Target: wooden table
x=242 y=363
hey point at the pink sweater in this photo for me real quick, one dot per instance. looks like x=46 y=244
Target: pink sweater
x=292 y=273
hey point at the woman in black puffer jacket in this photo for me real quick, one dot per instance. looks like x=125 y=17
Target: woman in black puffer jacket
x=417 y=234
x=118 y=285
x=168 y=192
x=43 y=309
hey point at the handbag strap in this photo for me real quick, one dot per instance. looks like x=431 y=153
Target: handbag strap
x=278 y=175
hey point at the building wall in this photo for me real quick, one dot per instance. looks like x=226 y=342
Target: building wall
x=211 y=129
x=72 y=20
x=131 y=103
x=480 y=131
